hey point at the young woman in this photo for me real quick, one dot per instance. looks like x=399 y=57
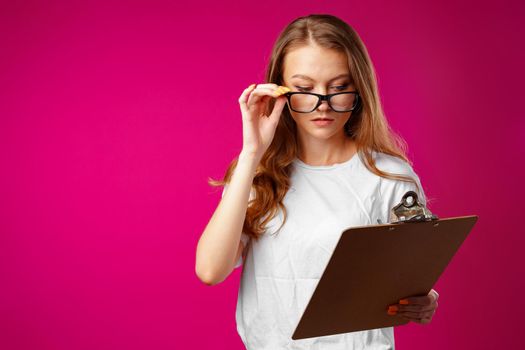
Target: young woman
x=327 y=162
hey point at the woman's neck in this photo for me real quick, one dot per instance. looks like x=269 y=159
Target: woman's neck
x=323 y=152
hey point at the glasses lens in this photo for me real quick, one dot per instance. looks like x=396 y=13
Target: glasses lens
x=306 y=103
x=343 y=102
x=303 y=102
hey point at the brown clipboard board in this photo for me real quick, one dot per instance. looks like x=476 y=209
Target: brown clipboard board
x=376 y=266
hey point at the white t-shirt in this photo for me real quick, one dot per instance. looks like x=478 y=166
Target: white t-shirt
x=281 y=270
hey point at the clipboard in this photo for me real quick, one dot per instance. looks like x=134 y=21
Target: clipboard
x=377 y=265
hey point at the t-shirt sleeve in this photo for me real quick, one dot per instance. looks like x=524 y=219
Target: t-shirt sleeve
x=393 y=190
x=244 y=237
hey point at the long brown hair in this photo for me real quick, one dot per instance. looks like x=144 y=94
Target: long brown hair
x=367 y=125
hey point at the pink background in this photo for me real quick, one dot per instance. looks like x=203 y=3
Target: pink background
x=113 y=116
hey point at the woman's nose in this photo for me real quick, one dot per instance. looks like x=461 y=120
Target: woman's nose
x=323 y=106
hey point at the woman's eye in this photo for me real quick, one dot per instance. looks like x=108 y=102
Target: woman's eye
x=302 y=88
x=339 y=88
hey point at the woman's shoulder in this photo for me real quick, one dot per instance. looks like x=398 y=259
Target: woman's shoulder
x=393 y=188
x=392 y=164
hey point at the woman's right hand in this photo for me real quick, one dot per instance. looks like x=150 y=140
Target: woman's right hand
x=258 y=128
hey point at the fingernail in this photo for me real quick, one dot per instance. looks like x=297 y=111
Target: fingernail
x=403 y=301
x=285 y=89
x=251 y=86
x=393 y=308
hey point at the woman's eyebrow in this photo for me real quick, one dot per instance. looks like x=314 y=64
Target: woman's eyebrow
x=345 y=75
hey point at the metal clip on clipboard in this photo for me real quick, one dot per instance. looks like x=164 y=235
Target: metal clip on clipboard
x=410 y=210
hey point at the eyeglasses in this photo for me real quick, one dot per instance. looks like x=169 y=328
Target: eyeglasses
x=306 y=102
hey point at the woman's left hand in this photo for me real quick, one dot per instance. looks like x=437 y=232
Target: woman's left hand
x=419 y=309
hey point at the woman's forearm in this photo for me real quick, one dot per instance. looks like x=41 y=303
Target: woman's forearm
x=217 y=248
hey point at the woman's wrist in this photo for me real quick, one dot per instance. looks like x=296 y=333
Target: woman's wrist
x=247 y=155
x=249 y=160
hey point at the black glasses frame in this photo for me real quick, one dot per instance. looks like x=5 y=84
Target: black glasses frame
x=321 y=99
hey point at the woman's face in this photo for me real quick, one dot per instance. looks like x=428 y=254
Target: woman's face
x=323 y=71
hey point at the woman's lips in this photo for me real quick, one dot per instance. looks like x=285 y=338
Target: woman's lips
x=322 y=122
